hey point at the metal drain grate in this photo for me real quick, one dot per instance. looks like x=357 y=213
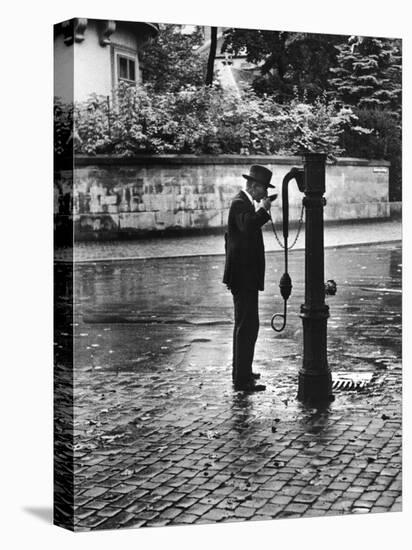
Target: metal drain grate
x=352 y=381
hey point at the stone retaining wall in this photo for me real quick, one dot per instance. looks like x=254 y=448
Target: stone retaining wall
x=114 y=197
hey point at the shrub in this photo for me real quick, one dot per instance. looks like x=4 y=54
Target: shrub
x=203 y=120
x=317 y=127
x=63 y=127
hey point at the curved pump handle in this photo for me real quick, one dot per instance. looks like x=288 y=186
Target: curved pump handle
x=285 y=281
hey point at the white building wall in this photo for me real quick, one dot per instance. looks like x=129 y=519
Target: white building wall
x=92 y=72
x=84 y=68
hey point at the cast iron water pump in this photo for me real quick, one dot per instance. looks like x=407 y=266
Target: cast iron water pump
x=315 y=380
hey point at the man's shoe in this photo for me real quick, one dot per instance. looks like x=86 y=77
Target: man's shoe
x=255 y=376
x=251 y=386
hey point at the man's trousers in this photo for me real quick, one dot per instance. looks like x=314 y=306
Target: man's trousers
x=245 y=333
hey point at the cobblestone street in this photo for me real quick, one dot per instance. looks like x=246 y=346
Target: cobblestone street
x=163 y=439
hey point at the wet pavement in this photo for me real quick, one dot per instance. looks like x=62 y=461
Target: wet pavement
x=161 y=437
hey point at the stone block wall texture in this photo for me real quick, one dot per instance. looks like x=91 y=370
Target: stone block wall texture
x=113 y=197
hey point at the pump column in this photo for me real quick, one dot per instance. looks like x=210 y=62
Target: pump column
x=315 y=381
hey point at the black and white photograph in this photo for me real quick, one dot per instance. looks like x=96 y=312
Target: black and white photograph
x=208 y=338
x=228 y=264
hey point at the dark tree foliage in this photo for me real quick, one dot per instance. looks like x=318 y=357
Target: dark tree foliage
x=368 y=74
x=368 y=78
x=384 y=141
x=287 y=60
x=63 y=128
x=170 y=63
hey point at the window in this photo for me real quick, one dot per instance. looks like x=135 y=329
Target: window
x=126 y=68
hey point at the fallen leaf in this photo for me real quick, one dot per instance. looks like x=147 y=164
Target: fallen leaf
x=320 y=461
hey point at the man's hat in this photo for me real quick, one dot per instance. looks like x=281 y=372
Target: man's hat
x=260 y=174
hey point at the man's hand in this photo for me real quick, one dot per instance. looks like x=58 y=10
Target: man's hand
x=266 y=204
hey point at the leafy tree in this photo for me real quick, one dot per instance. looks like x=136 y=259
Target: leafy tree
x=286 y=60
x=169 y=62
x=368 y=73
x=368 y=78
x=381 y=140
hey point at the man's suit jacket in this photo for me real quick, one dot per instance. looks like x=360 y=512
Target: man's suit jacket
x=245 y=254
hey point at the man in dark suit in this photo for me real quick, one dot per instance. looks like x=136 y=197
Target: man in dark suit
x=245 y=270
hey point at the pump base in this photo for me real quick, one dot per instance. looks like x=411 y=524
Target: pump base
x=315 y=388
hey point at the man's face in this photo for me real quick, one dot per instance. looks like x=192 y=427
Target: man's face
x=258 y=191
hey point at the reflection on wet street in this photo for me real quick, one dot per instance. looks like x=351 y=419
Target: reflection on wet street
x=153 y=308
x=157 y=419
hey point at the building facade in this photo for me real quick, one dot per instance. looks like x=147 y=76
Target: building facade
x=92 y=56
